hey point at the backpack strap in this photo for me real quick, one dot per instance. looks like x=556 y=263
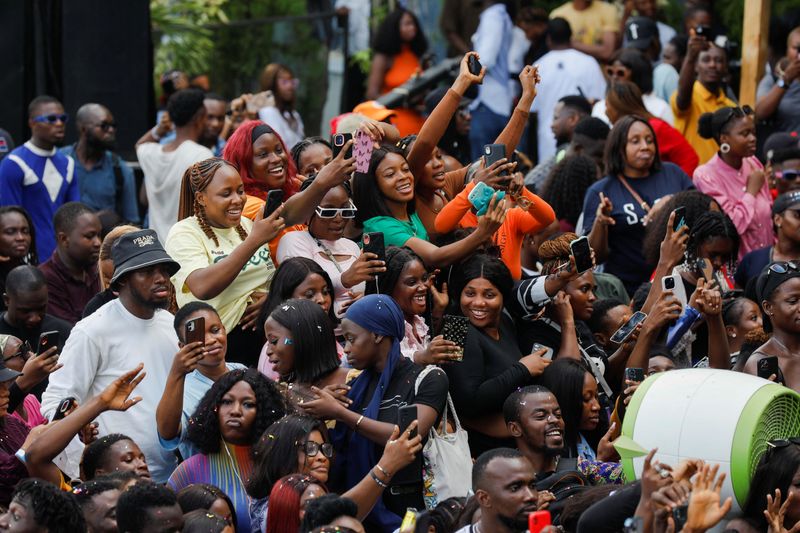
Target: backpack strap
x=449 y=406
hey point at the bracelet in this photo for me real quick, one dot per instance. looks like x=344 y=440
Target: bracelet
x=360 y=418
x=377 y=480
x=154 y=133
x=383 y=471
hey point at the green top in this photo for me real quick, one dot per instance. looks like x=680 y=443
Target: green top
x=396 y=232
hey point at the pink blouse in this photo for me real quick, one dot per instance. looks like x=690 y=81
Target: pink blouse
x=752 y=215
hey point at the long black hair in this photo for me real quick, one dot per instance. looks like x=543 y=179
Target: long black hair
x=775 y=470
x=314 y=343
x=565 y=377
x=615 y=158
x=275 y=453
x=641 y=69
x=387 y=39
x=203 y=430
x=483 y=266
x=367 y=197
x=289 y=275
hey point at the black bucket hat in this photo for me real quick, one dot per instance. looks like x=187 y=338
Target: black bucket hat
x=137 y=250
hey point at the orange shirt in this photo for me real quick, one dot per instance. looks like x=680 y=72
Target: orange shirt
x=404 y=66
x=255 y=205
x=518 y=223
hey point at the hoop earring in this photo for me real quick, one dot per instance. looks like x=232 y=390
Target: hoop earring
x=724 y=148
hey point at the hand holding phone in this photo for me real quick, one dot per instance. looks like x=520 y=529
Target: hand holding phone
x=363 y=151
x=627 y=328
x=195 y=330
x=455 y=330
x=767 y=367
x=406 y=415
x=337 y=143
x=274 y=200
x=474 y=65
x=538 y=520
x=373 y=243
x=679 y=219
x=582 y=252
x=47 y=340
x=634 y=374
x=494 y=153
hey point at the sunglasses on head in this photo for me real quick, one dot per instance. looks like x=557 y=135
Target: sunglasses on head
x=618 y=72
x=783 y=267
x=773 y=445
x=23 y=351
x=790 y=174
x=312 y=448
x=331 y=212
x=53 y=118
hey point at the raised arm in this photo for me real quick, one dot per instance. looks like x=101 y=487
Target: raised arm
x=512 y=133
x=767 y=105
x=436 y=124
x=170 y=408
x=380 y=65
x=697 y=44
x=40 y=453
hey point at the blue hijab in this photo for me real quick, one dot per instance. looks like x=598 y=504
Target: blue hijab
x=377 y=313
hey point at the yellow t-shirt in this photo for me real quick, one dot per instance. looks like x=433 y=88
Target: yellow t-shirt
x=589 y=25
x=189 y=246
x=686 y=121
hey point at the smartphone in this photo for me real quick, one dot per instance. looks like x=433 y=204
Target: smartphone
x=363 y=150
x=704 y=31
x=47 y=340
x=634 y=374
x=63 y=408
x=406 y=415
x=474 y=65
x=373 y=243
x=679 y=515
x=454 y=329
x=494 y=153
x=195 y=330
x=627 y=328
x=668 y=283
x=337 y=143
x=680 y=218
x=767 y=367
x=538 y=520
x=583 y=254
x=274 y=200
x=548 y=354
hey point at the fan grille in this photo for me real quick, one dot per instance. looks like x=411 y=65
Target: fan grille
x=780 y=420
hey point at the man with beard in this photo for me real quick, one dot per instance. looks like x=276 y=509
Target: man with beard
x=71 y=272
x=106 y=181
x=216 y=107
x=503 y=483
x=533 y=418
x=38 y=177
x=131 y=329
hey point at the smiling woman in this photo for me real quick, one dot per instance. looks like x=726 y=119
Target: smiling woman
x=223 y=256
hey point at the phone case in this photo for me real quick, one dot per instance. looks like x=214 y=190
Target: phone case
x=363 y=152
x=480 y=197
x=455 y=329
x=406 y=415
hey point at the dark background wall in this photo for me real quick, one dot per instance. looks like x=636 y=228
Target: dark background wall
x=78 y=51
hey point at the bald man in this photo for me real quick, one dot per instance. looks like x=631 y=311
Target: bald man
x=106 y=181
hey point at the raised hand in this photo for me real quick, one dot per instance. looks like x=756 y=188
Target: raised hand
x=400 y=450
x=529 y=78
x=187 y=358
x=604 y=210
x=605 y=449
x=38 y=367
x=266 y=229
x=673 y=246
x=339 y=169
x=776 y=513
x=363 y=269
x=438 y=351
x=535 y=362
x=249 y=319
x=115 y=396
x=465 y=75
x=705 y=510
x=494 y=217
x=491 y=175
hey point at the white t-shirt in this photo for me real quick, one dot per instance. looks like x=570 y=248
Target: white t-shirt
x=655 y=105
x=102 y=347
x=302 y=244
x=563 y=73
x=163 y=173
x=189 y=246
x=277 y=121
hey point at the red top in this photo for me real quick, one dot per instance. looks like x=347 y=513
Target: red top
x=67 y=296
x=673 y=147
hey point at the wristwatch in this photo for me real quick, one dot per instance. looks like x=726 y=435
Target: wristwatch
x=781 y=83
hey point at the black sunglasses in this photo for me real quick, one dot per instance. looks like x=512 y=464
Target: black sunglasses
x=107 y=126
x=311 y=448
x=773 y=445
x=52 y=118
x=790 y=174
x=783 y=267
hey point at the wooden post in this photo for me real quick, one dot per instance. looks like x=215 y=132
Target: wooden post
x=754 y=48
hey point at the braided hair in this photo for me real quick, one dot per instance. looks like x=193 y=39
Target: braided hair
x=713 y=225
x=554 y=252
x=196 y=179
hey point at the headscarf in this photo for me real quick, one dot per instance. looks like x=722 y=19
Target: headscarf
x=379 y=314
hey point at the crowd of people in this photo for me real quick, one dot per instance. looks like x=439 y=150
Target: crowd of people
x=431 y=323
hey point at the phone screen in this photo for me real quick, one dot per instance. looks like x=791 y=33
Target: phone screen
x=582 y=253
x=627 y=328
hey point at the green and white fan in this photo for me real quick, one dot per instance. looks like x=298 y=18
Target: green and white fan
x=719 y=416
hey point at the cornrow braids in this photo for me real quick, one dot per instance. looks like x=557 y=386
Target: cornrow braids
x=553 y=252
x=196 y=179
x=711 y=225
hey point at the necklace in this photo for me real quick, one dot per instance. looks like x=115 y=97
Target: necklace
x=328 y=253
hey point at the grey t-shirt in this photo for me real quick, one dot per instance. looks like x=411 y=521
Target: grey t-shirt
x=787 y=116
